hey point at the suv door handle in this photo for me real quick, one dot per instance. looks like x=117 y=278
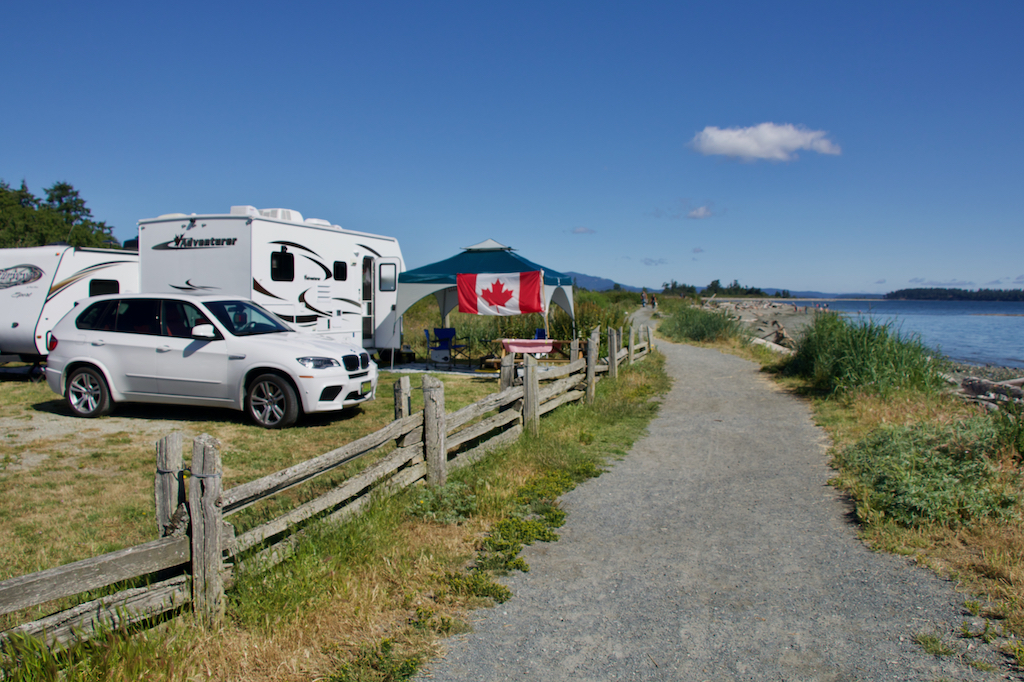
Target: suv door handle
x=163 y=349
x=99 y=342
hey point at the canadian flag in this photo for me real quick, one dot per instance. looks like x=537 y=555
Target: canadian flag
x=506 y=293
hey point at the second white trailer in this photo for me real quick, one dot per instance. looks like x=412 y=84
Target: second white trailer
x=39 y=284
x=314 y=275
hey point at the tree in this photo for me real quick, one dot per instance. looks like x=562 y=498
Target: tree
x=26 y=220
x=674 y=288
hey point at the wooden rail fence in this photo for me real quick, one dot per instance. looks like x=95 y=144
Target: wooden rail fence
x=198 y=551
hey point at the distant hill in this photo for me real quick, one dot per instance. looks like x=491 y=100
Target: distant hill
x=604 y=284
x=601 y=283
x=818 y=294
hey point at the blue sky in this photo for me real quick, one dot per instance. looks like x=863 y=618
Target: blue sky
x=838 y=147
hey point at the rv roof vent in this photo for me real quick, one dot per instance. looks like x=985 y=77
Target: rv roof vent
x=244 y=210
x=171 y=215
x=318 y=221
x=290 y=215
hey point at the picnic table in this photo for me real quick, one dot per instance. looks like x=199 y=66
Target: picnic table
x=541 y=347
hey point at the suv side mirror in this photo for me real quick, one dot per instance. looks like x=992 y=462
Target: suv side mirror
x=204 y=331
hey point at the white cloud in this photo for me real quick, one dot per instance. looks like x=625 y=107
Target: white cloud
x=582 y=230
x=683 y=208
x=697 y=249
x=764 y=141
x=917 y=280
x=881 y=281
x=654 y=261
x=1019 y=280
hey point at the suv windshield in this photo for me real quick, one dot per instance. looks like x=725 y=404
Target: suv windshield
x=243 y=318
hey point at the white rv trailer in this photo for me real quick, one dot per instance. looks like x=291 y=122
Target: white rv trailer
x=39 y=284
x=314 y=275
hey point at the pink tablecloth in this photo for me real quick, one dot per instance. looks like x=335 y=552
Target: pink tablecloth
x=528 y=345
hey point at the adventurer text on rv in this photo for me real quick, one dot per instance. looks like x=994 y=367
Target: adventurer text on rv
x=314 y=275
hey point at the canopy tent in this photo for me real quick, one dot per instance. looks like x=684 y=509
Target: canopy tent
x=440 y=278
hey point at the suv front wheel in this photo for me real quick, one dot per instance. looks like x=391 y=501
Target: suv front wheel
x=271 y=402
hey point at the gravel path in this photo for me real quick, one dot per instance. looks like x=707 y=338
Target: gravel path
x=715 y=551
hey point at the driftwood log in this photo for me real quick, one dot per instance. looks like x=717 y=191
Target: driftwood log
x=983 y=388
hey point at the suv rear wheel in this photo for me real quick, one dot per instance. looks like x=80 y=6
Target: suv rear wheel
x=87 y=393
x=271 y=402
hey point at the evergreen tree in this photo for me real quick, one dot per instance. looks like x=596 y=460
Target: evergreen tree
x=26 y=220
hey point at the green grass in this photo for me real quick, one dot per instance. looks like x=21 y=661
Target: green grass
x=932 y=644
x=112 y=655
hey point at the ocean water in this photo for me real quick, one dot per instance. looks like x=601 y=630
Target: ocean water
x=977 y=332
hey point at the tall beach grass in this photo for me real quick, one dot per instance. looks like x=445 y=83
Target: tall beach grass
x=837 y=355
x=687 y=323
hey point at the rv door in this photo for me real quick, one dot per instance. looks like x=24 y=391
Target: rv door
x=368 y=301
x=387 y=327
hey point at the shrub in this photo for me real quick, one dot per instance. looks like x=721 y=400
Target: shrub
x=696 y=324
x=453 y=502
x=924 y=473
x=837 y=356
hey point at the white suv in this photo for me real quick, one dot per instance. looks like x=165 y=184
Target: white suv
x=201 y=350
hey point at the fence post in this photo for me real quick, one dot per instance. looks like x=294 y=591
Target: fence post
x=593 y=349
x=507 y=372
x=168 y=484
x=434 y=431
x=574 y=350
x=531 y=396
x=403 y=404
x=403 y=398
x=650 y=339
x=206 y=518
x=632 y=346
x=613 y=355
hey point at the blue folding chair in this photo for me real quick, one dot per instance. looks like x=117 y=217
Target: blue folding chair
x=446 y=348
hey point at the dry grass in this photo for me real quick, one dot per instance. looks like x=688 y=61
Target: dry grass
x=361 y=607
x=88 y=489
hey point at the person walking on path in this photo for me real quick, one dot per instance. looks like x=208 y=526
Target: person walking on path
x=714 y=550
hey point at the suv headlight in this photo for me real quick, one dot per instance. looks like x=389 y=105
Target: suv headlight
x=318 y=363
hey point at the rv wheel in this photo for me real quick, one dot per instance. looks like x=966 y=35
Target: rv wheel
x=87 y=393
x=271 y=402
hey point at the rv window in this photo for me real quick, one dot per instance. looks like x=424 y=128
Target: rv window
x=340 y=271
x=282 y=266
x=368 y=279
x=99 y=316
x=388 y=280
x=98 y=287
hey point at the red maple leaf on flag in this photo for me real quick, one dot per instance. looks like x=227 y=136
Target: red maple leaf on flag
x=497 y=296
